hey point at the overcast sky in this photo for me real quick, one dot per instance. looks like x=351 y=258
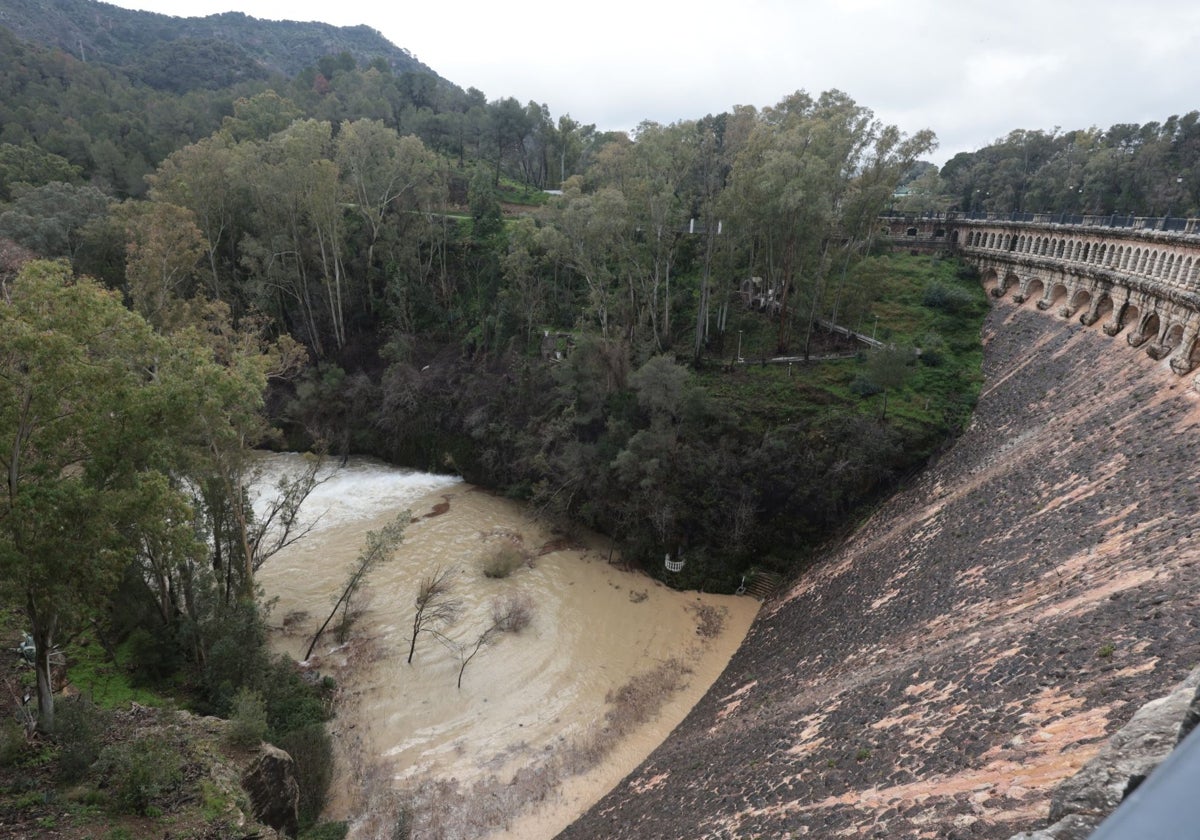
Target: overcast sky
x=971 y=71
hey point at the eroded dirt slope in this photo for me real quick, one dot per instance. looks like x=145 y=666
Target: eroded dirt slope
x=980 y=636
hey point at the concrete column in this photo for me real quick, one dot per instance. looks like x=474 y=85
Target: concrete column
x=1093 y=314
x=1181 y=359
x=1116 y=322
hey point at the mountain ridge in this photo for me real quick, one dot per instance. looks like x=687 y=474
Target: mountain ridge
x=145 y=44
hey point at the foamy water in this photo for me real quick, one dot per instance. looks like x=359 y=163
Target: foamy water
x=361 y=489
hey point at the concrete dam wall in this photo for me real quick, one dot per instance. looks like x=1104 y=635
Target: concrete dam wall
x=979 y=637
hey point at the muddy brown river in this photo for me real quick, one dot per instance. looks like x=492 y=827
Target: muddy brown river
x=542 y=725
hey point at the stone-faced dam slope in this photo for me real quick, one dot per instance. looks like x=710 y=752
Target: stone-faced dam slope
x=979 y=637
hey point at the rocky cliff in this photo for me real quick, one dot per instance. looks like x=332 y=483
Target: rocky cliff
x=979 y=638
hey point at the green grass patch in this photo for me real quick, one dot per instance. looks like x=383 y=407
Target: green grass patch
x=929 y=303
x=106 y=682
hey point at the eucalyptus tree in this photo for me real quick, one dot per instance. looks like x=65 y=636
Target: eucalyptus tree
x=392 y=184
x=805 y=164
x=92 y=402
x=204 y=178
x=885 y=157
x=590 y=237
x=655 y=181
x=296 y=250
x=51 y=219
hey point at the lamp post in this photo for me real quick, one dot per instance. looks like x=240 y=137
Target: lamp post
x=739 y=352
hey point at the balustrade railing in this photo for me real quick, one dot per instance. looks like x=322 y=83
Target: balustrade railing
x=1174 y=224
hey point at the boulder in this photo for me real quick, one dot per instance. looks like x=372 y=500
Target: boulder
x=270 y=782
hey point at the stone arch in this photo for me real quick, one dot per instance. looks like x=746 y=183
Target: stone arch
x=1188 y=357
x=992 y=282
x=1032 y=287
x=1147 y=329
x=1172 y=337
x=1087 y=251
x=1077 y=298
x=1060 y=247
x=1165 y=341
x=1143 y=257
x=912 y=231
x=1100 y=312
x=1056 y=293
x=1123 y=315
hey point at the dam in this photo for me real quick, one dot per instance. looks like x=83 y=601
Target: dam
x=984 y=632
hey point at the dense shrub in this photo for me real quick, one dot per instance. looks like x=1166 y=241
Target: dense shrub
x=949 y=299
x=312 y=750
x=139 y=773
x=78 y=727
x=12 y=741
x=248 y=721
x=153 y=656
x=291 y=702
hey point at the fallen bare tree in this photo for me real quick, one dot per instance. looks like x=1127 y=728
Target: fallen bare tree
x=435 y=608
x=381 y=547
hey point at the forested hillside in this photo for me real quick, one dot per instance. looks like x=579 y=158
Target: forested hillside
x=181 y=54
x=1126 y=169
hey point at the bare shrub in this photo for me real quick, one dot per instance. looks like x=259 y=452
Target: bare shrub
x=643 y=695
x=512 y=613
x=503 y=560
x=710 y=620
x=293 y=620
x=509 y=615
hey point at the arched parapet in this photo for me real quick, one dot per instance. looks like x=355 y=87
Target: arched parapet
x=1051 y=295
x=1078 y=296
x=1030 y=287
x=1101 y=306
x=1148 y=328
x=1140 y=278
x=1120 y=311
x=1187 y=354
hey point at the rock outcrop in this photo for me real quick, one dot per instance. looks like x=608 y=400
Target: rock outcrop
x=979 y=638
x=270 y=781
x=1083 y=801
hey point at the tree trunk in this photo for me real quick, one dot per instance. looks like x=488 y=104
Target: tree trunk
x=42 y=629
